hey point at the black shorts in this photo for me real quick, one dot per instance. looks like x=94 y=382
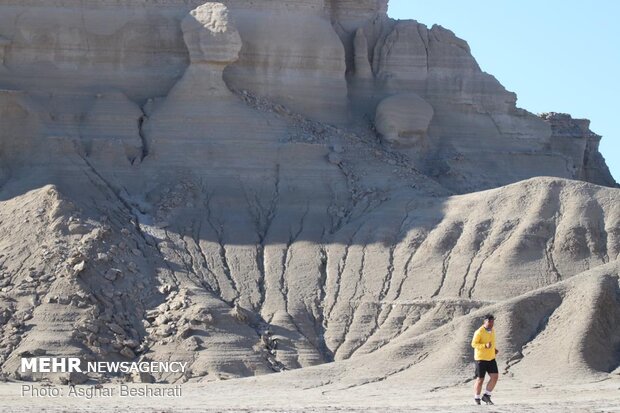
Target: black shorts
x=483 y=367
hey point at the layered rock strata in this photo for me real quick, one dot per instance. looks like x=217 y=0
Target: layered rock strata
x=254 y=187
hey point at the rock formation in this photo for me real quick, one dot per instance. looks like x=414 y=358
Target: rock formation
x=254 y=187
x=574 y=138
x=404 y=119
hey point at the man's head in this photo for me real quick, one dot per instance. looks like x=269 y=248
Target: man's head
x=489 y=319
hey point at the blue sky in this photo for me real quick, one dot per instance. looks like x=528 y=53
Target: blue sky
x=557 y=55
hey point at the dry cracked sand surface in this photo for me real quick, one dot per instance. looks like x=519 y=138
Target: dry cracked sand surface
x=311 y=204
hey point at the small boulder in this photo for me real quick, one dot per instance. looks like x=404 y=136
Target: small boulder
x=116 y=328
x=79 y=268
x=127 y=352
x=404 y=119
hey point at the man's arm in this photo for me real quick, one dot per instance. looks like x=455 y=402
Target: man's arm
x=476 y=343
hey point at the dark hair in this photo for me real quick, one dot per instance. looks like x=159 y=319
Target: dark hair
x=489 y=317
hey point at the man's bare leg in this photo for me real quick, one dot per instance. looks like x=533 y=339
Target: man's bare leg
x=490 y=386
x=478 y=386
x=492 y=382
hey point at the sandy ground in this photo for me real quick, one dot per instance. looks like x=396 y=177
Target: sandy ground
x=249 y=396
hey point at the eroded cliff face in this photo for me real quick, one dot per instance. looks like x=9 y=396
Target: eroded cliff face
x=574 y=138
x=260 y=186
x=331 y=61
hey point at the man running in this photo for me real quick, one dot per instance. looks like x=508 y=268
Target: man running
x=484 y=356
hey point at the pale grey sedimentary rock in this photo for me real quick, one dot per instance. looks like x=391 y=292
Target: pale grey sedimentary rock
x=404 y=119
x=281 y=184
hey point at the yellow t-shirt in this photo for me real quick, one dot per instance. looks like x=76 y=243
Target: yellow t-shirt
x=481 y=338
